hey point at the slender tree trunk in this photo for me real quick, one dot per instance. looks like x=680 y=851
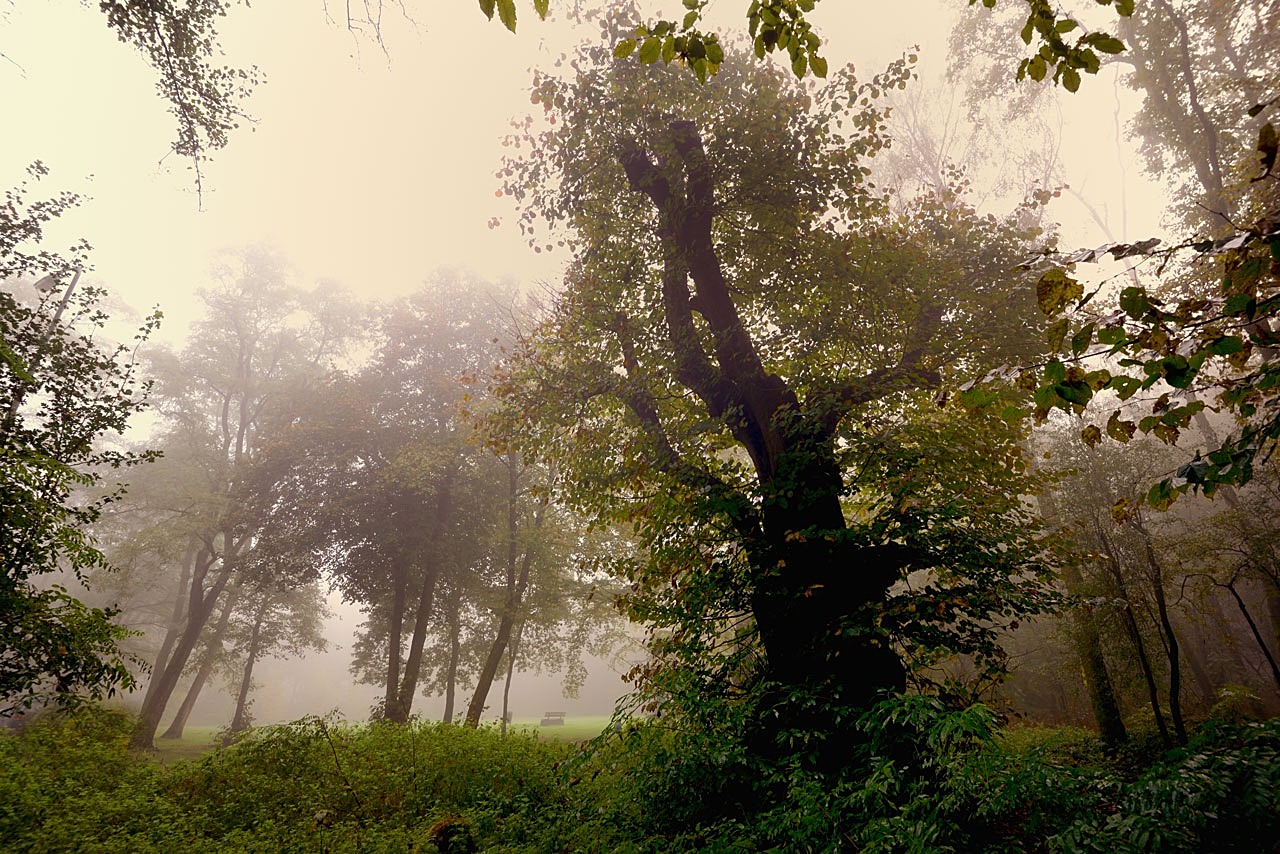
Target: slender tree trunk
x=1200 y=671
x=395 y=640
x=512 y=652
x=455 y=655
x=240 y=719
x=413 y=662
x=1130 y=623
x=1170 y=637
x=518 y=569
x=1093 y=666
x=199 y=609
x=174 y=627
x=1271 y=590
x=179 y=723
x=213 y=651
x=1253 y=629
x=399 y=711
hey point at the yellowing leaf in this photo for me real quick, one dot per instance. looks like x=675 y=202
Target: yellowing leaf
x=1056 y=290
x=507 y=14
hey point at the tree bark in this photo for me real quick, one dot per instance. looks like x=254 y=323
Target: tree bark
x=399 y=711
x=518 y=569
x=240 y=719
x=809 y=587
x=1093 y=666
x=455 y=655
x=213 y=649
x=200 y=607
x=512 y=651
x=174 y=627
x=395 y=640
x=1253 y=629
x=1170 y=636
x=1130 y=623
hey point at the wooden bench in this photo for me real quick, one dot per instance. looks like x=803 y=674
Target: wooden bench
x=552 y=719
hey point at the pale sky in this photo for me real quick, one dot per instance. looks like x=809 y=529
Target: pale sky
x=369 y=168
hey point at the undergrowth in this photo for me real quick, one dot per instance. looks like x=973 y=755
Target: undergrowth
x=927 y=778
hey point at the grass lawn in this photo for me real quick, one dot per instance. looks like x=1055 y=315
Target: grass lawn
x=574 y=728
x=195 y=741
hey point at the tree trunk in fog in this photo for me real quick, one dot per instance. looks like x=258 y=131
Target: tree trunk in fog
x=174 y=628
x=1097 y=678
x=1271 y=588
x=455 y=654
x=240 y=720
x=1134 y=632
x=395 y=638
x=1200 y=672
x=213 y=649
x=1257 y=634
x=512 y=652
x=398 y=711
x=1170 y=637
x=518 y=568
x=200 y=607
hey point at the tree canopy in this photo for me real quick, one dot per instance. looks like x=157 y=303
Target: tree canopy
x=746 y=343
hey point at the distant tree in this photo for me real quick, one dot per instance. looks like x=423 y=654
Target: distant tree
x=65 y=396
x=260 y=337
x=278 y=619
x=373 y=479
x=547 y=589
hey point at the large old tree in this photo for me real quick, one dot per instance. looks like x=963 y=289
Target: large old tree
x=739 y=362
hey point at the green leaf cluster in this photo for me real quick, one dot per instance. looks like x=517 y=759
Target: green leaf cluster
x=62 y=394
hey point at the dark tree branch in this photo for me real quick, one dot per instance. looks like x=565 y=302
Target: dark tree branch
x=911 y=372
x=637 y=398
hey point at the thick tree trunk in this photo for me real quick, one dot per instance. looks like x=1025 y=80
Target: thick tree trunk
x=178 y=725
x=813 y=596
x=399 y=711
x=213 y=650
x=1093 y=667
x=176 y=618
x=1131 y=628
x=490 y=669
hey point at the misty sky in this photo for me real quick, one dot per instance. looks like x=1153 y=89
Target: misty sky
x=365 y=167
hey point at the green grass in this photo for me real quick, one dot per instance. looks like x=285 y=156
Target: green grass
x=574 y=728
x=195 y=741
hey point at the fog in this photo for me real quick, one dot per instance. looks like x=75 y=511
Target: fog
x=373 y=166
x=322 y=683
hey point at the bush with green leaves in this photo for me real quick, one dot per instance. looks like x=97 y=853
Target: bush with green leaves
x=925 y=776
